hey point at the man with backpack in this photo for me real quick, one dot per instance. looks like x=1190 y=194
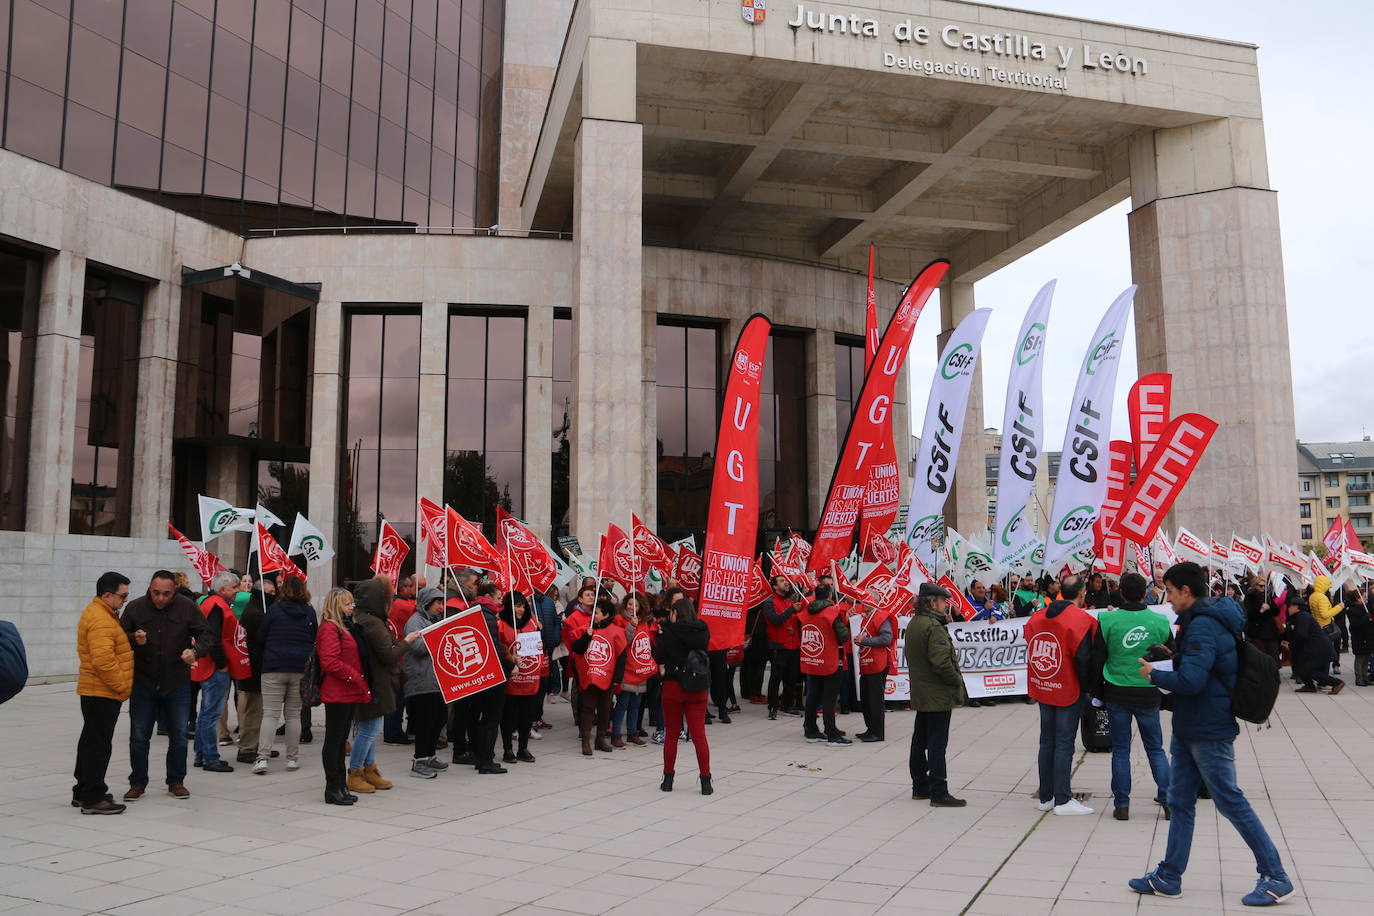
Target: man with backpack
x=1211 y=666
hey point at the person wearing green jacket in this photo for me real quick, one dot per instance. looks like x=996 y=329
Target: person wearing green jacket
x=937 y=687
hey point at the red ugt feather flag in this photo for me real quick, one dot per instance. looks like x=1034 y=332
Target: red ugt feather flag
x=206 y=564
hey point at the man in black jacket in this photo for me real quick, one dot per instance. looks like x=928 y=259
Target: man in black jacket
x=168 y=633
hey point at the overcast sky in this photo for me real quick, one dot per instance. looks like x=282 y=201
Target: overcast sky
x=1316 y=77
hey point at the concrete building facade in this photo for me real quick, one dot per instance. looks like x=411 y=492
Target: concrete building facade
x=645 y=176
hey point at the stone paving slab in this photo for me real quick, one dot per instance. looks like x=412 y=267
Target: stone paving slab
x=793 y=828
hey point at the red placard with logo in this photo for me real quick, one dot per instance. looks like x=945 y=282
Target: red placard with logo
x=467 y=546
x=391 y=550
x=532 y=568
x=618 y=561
x=733 y=518
x=869 y=428
x=1164 y=475
x=464 y=657
x=689 y=571
x=1109 y=545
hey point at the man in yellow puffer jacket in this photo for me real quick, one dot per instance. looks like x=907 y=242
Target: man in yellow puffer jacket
x=105 y=681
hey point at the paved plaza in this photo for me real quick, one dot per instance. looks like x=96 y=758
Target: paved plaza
x=793 y=828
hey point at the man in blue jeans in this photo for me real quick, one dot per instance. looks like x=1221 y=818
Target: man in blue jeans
x=168 y=633
x=1203 y=748
x=1124 y=636
x=215 y=687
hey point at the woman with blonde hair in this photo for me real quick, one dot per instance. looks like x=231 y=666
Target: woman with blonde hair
x=343 y=685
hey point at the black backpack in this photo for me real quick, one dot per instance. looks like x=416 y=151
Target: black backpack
x=695 y=673
x=1257 y=683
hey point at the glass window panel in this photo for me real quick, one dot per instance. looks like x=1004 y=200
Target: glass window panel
x=701 y=421
x=506 y=470
x=39 y=55
x=306 y=35
x=393 y=100
x=421 y=58
x=388 y=200
x=468 y=134
x=702 y=358
x=395 y=40
x=268 y=85
x=363 y=411
x=446 y=75
x=232 y=55
x=505 y=414
x=505 y=347
x=329 y=180
x=181 y=170
x=105 y=17
x=562 y=349
x=361 y=187
x=421 y=112
x=672 y=421
x=35 y=122
x=470 y=43
x=450 y=23
x=424 y=15
x=136 y=158
x=141 y=91
x=400 y=411
x=842 y=389
x=264 y=149
x=338 y=60
x=145 y=28
x=191 y=46
x=417 y=163
x=298 y=165
x=94 y=71
x=90 y=143
x=221 y=181
x=467 y=346
x=367 y=79
x=302 y=102
x=670 y=355
x=186 y=109
x=401 y=358
x=396 y=489
x=338 y=15
x=245 y=376
x=463 y=428
x=272 y=28
x=362 y=131
x=469 y=88
x=368 y=27
x=416 y=207
x=562 y=406
x=227 y=122
x=445 y=128
x=441 y=180
x=362 y=459
x=391 y=146
x=365 y=346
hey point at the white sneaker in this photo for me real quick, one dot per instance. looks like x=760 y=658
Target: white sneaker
x=1045 y=805
x=536 y=734
x=260 y=767
x=1072 y=806
x=293 y=764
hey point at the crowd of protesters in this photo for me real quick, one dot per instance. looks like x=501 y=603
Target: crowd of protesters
x=638 y=669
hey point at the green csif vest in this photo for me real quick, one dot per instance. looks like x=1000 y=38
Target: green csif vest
x=1129 y=634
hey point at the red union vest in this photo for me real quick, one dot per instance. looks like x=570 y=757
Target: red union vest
x=232 y=639
x=788 y=635
x=596 y=666
x=640 y=664
x=1051 y=644
x=820 y=650
x=876 y=659
x=524 y=679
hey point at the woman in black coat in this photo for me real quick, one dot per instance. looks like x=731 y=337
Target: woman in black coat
x=1311 y=648
x=1361 y=635
x=1262 y=622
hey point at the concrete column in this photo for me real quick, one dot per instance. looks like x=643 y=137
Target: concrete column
x=56 y=363
x=326 y=407
x=1205 y=251
x=607 y=474
x=157 y=389
x=539 y=420
x=823 y=431
x=429 y=464
x=966 y=510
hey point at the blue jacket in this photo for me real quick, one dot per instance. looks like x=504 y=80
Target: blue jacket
x=549 y=623
x=14 y=664
x=287 y=637
x=1204 y=670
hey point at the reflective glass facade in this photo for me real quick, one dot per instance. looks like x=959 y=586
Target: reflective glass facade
x=260 y=114
x=782 y=438
x=849 y=380
x=688 y=379
x=19 y=285
x=560 y=414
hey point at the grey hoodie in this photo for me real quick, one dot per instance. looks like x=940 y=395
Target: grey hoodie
x=419 y=670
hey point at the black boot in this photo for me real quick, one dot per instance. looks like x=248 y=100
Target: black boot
x=338 y=796
x=706 y=785
x=667 y=784
x=772 y=712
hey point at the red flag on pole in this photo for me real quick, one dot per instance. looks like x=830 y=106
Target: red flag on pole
x=1352 y=540
x=1109 y=545
x=391 y=550
x=1335 y=534
x=842 y=584
x=960 y=608
x=733 y=517
x=465 y=659
x=689 y=571
x=434 y=529
x=1163 y=477
x=206 y=564
x=760 y=589
x=272 y=558
x=1148 y=405
x=869 y=428
x=618 y=561
x=467 y=546
x=650 y=549
x=870 y=317
x=531 y=564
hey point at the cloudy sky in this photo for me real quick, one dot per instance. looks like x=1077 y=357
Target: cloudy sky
x=1316 y=75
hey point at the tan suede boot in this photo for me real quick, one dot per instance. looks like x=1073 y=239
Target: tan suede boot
x=374 y=776
x=357 y=783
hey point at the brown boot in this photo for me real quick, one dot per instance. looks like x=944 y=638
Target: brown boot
x=357 y=783
x=374 y=777
x=617 y=740
x=635 y=739
x=602 y=744
x=586 y=745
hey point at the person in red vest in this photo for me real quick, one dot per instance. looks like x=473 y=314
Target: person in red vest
x=784 y=645
x=522 y=688
x=599 y=654
x=877 y=641
x=823 y=633
x=577 y=620
x=228 y=659
x=638 y=617
x=1059 y=643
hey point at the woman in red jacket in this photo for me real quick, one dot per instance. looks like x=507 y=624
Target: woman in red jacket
x=522 y=686
x=599 y=656
x=343 y=685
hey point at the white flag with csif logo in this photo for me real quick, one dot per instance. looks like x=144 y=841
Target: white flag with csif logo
x=942 y=432
x=1023 y=436
x=1082 y=481
x=309 y=542
x=218 y=516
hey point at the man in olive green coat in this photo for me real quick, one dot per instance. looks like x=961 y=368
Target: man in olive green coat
x=936 y=688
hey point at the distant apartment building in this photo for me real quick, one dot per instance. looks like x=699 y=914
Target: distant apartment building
x=1335 y=479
